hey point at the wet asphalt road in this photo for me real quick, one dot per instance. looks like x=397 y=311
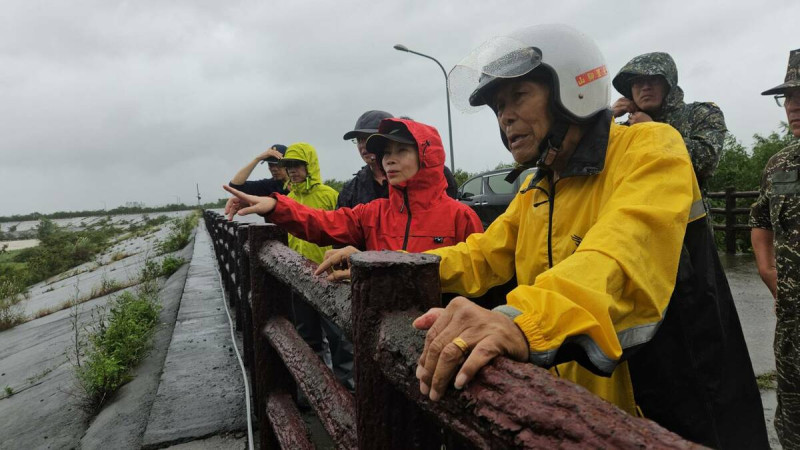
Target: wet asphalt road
x=754 y=304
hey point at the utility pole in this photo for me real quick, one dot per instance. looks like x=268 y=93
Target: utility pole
x=197 y=185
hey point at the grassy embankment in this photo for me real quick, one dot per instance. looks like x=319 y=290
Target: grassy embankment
x=61 y=249
x=119 y=337
x=116 y=338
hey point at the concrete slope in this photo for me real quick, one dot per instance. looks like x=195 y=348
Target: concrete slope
x=201 y=392
x=121 y=423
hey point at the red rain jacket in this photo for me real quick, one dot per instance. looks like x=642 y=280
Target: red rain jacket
x=417 y=216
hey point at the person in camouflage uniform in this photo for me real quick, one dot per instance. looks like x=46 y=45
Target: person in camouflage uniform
x=649 y=84
x=775 y=218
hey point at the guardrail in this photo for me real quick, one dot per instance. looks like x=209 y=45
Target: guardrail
x=507 y=405
x=731 y=212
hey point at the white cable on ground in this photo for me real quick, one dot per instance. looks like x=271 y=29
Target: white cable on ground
x=238 y=356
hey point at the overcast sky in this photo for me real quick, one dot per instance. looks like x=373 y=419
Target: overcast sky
x=105 y=102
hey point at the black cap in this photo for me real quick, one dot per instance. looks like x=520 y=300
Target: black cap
x=274 y=160
x=367 y=123
x=397 y=133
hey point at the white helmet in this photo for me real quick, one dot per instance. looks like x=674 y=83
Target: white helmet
x=574 y=62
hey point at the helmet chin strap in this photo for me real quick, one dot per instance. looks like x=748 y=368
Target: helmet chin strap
x=549 y=148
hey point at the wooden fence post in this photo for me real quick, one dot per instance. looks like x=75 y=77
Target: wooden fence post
x=267 y=298
x=382 y=283
x=730 y=220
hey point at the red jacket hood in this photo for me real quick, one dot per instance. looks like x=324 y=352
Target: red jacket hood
x=428 y=185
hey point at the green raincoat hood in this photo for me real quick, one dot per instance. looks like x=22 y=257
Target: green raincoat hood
x=656 y=63
x=303 y=151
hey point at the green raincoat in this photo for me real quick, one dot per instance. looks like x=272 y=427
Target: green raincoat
x=310 y=192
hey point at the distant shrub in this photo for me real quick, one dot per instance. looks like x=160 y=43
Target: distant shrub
x=180 y=234
x=11 y=293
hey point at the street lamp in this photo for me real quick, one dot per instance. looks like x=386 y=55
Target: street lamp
x=403 y=48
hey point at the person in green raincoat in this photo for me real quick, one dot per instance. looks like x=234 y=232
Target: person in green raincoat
x=306 y=187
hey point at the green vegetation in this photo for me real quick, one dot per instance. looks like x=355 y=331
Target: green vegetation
x=35 y=378
x=153 y=270
x=767 y=380
x=336 y=184
x=59 y=250
x=170 y=265
x=741 y=169
x=9 y=391
x=180 y=234
x=117 y=339
x=130 y=209
x=11 y=293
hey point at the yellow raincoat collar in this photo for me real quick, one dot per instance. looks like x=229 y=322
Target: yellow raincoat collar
x=589 y=157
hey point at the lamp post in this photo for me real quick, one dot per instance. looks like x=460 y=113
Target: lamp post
x=403 y=48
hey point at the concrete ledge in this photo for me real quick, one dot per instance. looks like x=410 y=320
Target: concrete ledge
x=201 y=392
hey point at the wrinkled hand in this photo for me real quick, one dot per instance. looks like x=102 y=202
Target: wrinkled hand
x=337 y=263
x=254 y=204
x=271 y=152
x=623 y=106
x=487 y=334
x=639 y=117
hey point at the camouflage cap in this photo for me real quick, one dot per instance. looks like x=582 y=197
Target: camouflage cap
x=792 y=79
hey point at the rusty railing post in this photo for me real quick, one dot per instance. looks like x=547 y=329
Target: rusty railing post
x=242 y=280
x=730 y=220
x=383 y=283
x=267 y=298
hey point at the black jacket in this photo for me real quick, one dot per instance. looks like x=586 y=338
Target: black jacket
x=362 y=188
x=695 y=377
x=261 y=188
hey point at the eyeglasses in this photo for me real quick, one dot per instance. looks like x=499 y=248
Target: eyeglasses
x=787 y=97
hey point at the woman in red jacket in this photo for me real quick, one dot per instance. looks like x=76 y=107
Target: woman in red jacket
x=417 y=216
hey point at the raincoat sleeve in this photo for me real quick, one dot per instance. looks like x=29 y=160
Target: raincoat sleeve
x=611 y=294
x=341 y=226
x=705 y=140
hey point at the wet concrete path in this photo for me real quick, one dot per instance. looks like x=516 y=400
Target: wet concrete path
x=754 y=304
x=201 y=391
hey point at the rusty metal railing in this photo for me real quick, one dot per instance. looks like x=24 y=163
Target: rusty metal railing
x=507 y=405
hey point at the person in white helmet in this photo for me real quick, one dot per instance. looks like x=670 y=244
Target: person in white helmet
x=596 y=239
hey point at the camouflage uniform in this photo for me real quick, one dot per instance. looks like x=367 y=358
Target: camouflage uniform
x=778 y=210
x=702 y=125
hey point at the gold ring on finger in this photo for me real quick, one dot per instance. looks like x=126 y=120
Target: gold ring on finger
x=461 y=344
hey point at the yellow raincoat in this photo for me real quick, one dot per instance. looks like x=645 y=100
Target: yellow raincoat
x=601 y=283
x=310 y=192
